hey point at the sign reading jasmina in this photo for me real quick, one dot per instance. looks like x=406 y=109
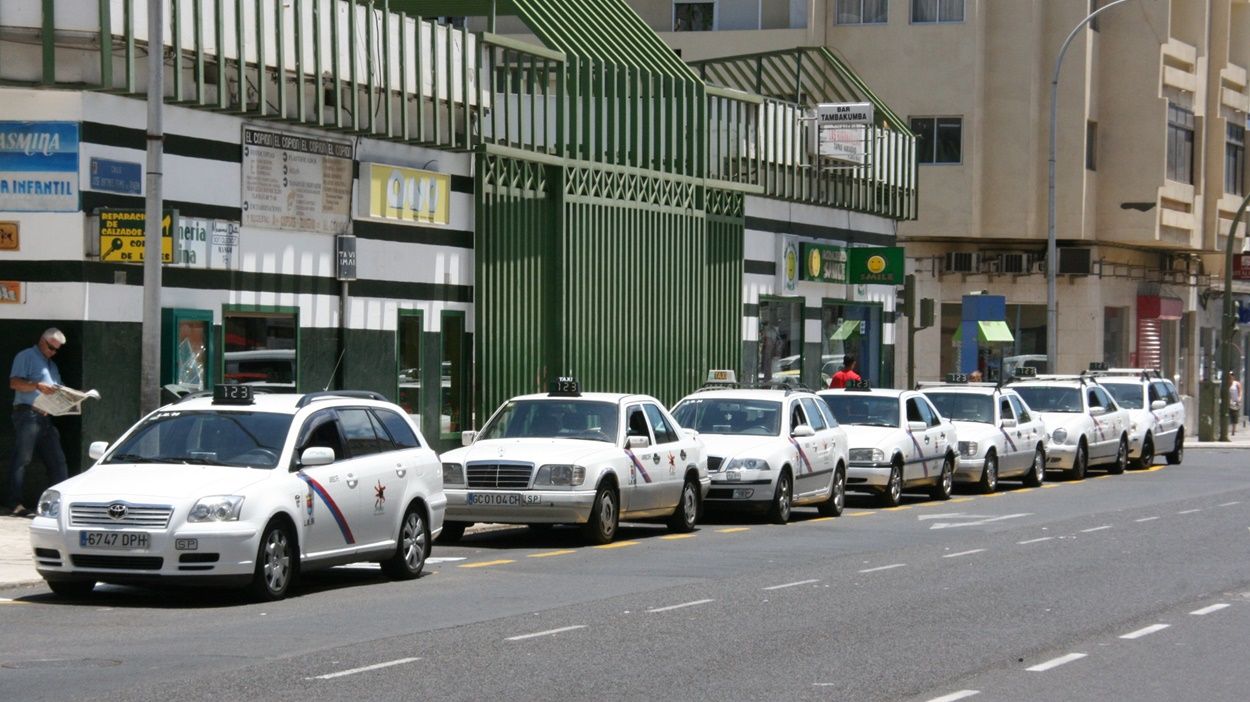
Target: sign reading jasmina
x=881 y=265
x=407 y=195
x=39 y=166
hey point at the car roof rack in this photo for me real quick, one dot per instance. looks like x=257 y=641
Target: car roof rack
x=311 y=397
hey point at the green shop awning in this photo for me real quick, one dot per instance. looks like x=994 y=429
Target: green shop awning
x=988 y=333
x=850 y=326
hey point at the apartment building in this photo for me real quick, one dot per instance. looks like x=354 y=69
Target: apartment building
x=1150 y=156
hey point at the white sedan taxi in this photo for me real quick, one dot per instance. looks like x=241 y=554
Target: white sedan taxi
x=769 y=450
x=1087 y=427
x=999 y=436
x=236 y=489
x=1156 y=414
x=569 y=457
x=898 y=442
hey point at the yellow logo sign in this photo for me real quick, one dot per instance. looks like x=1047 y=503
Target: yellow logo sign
x=409 y=195
x=9 y=236
x=121 y=236
x=814 y=263
x=876 y=264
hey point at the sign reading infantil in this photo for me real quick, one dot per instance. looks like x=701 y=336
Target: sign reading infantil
x=296 y=182
x=38 y=166
x=879 y=265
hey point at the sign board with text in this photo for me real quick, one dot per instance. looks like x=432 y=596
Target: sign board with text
x=38 y=166
x=206 y=243
x=121 y=236
x=296 y=182
x=822 y=263
x=876 y=265
x=125 y=177
x=1241 y=266
x=405 y=195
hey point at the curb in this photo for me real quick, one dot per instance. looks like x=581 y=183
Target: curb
x=1216 y=445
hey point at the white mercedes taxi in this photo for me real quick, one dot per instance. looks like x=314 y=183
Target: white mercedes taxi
x=237 y=489
x=999 y=436
x=569 y=457
x=768 y=450
x=898 y=442
x=1156 y=414
x=1087 y=427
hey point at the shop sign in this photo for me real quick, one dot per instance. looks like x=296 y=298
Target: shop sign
x=842 y=131
x=122 y=237
x=125 y=177
x=39 y=166
x=10 y=292
x=822 y=263
x=9 y=239
x=1241 y=266
x=206 y=243
x=407 y=195
x=296 y=182
x=875 y=265
x=789 y=265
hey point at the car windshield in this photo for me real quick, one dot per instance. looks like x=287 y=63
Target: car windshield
x=1051 y=399
x=554 y=419
x=1127 y=395
x=243 y=439
x=725 y=415
x=868 y=410
x=963 y=406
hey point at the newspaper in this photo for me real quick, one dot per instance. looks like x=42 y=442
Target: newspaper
x=63 y=401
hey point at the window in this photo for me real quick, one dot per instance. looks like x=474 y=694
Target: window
x=1022 y=411
x=923 y=11
x=814 y=416
x=1004 y=409
x=861 y=12
x=321 y=430
x=781 y=340
x=361 y=432
x=664 y=432
x=938 y=139
x=1180 y=144
x=454 y=381
x=408 y=355
x=693 y=16
x=1235 y=160
x=401 y=433
x=259 y=348
x=1091 y=146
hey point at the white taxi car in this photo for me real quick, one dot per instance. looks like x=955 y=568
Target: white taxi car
x=1156 y=414
x=999 y=436
x=769 y=450
x=569 y=457
x=898 y=442
x=1087 y=427
x=237 y=489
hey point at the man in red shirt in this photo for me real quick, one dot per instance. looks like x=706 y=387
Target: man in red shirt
x=846 y=374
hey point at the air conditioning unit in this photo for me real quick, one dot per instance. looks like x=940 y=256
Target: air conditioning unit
x=1074 y=261
x=1017 y=263
x=991 y=263
x=962 y=262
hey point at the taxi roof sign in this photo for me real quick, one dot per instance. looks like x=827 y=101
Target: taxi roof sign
x=1097 y=366
x=858 y=385
x=959 y=378
x=1026 y=372
x=565 y=386
x=722 y=377
x=232 y=394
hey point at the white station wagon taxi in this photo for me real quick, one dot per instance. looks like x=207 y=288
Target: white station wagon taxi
x=769 y=450
x=1087 y=427
x=1156 y=414
x=999 y=436
x=241 y=490
x=569 y=457
x=898 y=442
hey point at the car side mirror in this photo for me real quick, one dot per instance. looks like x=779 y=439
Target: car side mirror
x=467 y=437
x=317 y=456
x=637 y=442
x=1009 y=423
x=1158 y=405
x=690 y=433
x=803 y=431
x=917 y=426
x=97 y=449
x=1097 y=411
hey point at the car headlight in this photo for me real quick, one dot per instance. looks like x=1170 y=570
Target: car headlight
x=968 y=448
x=49 y=504
x=560 y=475
x=747 y=464
x=216 y=508
x=1059 y=435
x=453 y=474
x=866 y=455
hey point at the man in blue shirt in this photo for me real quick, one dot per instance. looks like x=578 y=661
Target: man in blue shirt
x=34 y=372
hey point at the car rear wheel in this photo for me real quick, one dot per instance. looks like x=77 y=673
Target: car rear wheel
x=837 y=495
x=945 y=482
x=1121 y=458
x=1178 y=453
x=892 y=495
x=604 y=518
x=411 y=550
x=275 y=563
x=779 y=513
x=1037 y=472
x=71 y=588
x=989 y=474
x=1147 y=457
x=1079 y=462
x=687 y=512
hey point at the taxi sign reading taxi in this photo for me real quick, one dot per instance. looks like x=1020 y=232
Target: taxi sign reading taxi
x=879 y=265
x=121 y=236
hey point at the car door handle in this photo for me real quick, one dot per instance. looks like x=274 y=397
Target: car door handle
x=926 y=439
x=655 y=458
x=401 y=471
x=351 y=480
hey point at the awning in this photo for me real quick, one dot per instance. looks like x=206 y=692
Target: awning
x=850 y=326
x=988 y=333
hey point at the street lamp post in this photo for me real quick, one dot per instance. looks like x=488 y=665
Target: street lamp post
x=1052 y=254
x=150 y=344
x=1230 y=320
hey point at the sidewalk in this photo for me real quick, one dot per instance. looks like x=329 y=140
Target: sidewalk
x=16 y=566
x=1240 y=440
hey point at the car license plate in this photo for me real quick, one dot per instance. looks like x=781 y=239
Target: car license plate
x=114 y=540
x=501 y=500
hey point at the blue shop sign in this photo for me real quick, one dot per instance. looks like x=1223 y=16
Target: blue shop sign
x=125 y=177
x=39 y=166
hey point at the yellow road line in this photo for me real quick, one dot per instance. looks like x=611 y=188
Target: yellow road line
x=674 y=537
x=618 y=544
x=820 y=519
x=1052 y=485
x=994 y=494
x=1151 y=469
x=733 y=530
x=548 y=554
x=483 y=564
x=1019 y=490
x=900 y=508
x=861 y=514
x=962 y=499
x=6 y=601
x=927 y=504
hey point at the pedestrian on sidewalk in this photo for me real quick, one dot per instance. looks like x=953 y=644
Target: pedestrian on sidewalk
x=1234 y=402
x=34 y=372
x=846 y=374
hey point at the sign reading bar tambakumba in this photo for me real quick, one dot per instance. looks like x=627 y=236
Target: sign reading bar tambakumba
x=881 y=265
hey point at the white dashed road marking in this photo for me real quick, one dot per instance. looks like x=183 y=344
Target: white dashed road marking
x=1056 y=662
x=548 y=632
x=1208 y=610
x=679 y=606
x=873 y=570
x=964 y=553
x=1105 y=526
x=961 y=695
x=1145 y=632
x=1230 y=504
x=1145 y=519
x=443 y=559
x=1034 y=541
x=801 y=582
x=365 y=669
x=1188 y=511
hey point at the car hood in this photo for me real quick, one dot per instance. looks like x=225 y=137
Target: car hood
x=727 y=445
x=537 y=451
x=1061 y=420
x=862 y=436
x=167 y=481
x=975 y=431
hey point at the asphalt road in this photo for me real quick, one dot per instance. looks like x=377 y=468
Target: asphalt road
x=1107 y=589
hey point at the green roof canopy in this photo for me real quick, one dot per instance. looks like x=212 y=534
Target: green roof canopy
x=988 y=333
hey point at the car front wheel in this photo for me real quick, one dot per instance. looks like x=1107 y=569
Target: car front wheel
x=989 y=474
x=1178 y=452
x=687 y=512
x=837 y=495
x=1037 y=472
x=275 y=563
x=601 y=527
x=892 y=495
x=779 y=513
x=945 y=482
x=1121 y=458
x=411 y=550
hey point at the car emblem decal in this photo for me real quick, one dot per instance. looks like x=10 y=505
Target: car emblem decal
x=117 y=510
x=334 y=508
x=802 y=456
x=646 y=477
x=379 y=498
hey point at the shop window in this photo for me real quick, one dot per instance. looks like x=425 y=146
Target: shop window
x=938 y=139
x=862 y=12
x=848 y=328
x=693 y=16
x=454 y=380
x=259 y=348
x=1235 y=160
x=187 y=340
x=408 y=355
x=781 y=340
x=925 y=11
x=1180 y=147
x=1115 y=336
